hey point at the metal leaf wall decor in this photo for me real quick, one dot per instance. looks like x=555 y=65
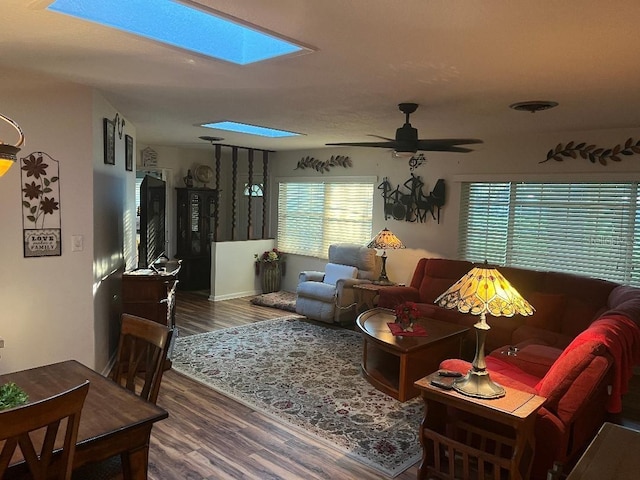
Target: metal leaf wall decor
x=592 y=153
x=324 y=166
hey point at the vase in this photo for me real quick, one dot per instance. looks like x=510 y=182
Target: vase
x=271 y=277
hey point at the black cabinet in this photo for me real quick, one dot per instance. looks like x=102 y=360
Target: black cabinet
x=195 y=213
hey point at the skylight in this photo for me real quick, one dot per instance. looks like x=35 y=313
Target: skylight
x=250 y=129
x=182 y=26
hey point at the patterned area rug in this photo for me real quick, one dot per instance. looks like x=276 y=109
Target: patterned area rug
x=282 y=300
x=307 y=376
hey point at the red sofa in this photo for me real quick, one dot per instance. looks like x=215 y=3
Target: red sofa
x=577 y=350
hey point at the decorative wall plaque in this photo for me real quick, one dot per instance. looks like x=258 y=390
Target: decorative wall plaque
x=40 y=190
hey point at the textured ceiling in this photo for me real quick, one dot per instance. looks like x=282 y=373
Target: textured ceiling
x=463 y=61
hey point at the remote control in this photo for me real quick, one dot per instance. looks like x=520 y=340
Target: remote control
x=441 y=384
x=449 y=373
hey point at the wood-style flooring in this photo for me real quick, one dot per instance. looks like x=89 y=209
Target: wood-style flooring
x=209 y=436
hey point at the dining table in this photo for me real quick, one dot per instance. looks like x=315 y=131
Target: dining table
x=113 y=421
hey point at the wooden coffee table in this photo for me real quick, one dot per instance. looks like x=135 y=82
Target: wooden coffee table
x=393 y=363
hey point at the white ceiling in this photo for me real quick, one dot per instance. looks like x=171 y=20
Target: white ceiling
x=463 y=61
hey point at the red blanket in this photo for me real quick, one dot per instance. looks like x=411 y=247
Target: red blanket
x=621 y=336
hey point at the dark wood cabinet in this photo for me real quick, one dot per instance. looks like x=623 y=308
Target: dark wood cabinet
x=150 y=294
x=195 y=214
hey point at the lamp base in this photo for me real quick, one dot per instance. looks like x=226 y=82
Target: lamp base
x=383 y=279
x=478 y=384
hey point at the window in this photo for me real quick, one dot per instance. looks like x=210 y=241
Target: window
x=582 y=228
x=313 y=215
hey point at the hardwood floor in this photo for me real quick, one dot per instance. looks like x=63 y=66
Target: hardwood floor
x=209 y=436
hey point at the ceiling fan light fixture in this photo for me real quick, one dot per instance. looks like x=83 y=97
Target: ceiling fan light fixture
x=533 y=106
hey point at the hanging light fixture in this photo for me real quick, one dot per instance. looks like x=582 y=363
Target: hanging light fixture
x=8 y=152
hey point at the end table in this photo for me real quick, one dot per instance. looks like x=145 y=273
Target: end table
x=446 y=454
x=366 y=295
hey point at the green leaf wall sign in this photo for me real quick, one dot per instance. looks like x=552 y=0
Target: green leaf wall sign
x=592 y=153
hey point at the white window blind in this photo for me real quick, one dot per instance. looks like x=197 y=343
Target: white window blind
x=582 y=228
x=312 y=216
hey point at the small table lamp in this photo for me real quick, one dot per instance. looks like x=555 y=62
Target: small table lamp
x=482 y=290
x=384 y=240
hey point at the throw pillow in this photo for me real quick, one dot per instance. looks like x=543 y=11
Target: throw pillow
x=334 y=272
x=549 y=310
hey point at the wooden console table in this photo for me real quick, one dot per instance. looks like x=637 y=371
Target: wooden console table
x=454 y=445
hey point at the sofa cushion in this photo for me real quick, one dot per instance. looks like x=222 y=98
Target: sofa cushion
x=549 y=310
x=527 y=335
x=533 y=359
x=523 y=280
x=563 y=373
x=578 y=316
x=439 y=275
x=334 y=272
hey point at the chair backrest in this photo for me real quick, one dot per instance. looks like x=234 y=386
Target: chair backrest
x=17 y=423
x=366 y=260
x=142 y=352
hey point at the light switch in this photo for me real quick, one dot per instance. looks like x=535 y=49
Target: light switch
x=77 y=243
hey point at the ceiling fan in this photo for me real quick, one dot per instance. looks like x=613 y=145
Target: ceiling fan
x=407 y=143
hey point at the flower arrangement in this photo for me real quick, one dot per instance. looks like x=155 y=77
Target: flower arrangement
x=406 y=314
x=270 y=256
x=270 y=259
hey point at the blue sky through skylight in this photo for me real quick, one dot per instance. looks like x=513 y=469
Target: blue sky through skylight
x=182 y=26
x=250 y=129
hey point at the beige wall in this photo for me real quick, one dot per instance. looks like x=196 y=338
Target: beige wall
x=58 y=308
x=512 y=158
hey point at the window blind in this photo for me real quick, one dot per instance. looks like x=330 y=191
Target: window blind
x=581 y=228
x=312 y=216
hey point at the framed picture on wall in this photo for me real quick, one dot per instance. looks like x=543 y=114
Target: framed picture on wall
x=109 y=142
x=128 y=152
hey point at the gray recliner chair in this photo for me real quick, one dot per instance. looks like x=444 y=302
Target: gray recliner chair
x=328 y=296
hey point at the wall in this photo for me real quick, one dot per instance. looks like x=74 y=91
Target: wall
x=47 y=302
x=114 y=245
x=498 y=159
x=232 y=268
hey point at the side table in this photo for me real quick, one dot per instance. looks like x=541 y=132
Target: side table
x=455 y=444
x=366 y=295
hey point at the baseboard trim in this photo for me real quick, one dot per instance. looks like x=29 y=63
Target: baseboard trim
x=229 y=296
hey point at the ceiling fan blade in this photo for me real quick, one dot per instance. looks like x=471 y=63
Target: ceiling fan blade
x=390 y=144
x=445 y=144
x=380 y=137
x=454 y=149
x=448 y=141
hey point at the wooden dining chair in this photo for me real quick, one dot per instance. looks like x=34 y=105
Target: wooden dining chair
x=16 y=425
x=142 y=352
x=140 y=361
